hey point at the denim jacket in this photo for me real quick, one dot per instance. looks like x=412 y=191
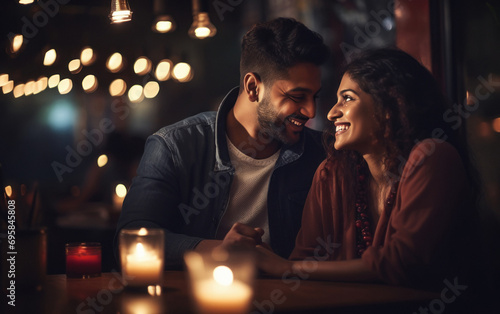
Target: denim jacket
x=184 y=177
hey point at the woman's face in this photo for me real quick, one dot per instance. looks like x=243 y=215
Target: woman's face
x=354 y=118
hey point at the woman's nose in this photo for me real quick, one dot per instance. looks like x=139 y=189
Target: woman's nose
x=334 y=113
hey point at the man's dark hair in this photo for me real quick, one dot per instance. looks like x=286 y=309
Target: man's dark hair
x=270 y=48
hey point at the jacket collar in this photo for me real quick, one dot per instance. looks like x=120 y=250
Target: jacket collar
x=288 y=154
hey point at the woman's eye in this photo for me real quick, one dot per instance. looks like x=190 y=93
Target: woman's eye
x=347 y=98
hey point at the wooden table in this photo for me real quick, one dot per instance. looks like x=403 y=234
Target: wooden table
x=106 y=294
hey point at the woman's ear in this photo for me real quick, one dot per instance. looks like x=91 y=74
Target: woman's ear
x=252 y=84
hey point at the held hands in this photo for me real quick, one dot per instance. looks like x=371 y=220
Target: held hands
x=243 y=236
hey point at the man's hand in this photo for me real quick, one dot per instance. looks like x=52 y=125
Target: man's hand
x=242 y=236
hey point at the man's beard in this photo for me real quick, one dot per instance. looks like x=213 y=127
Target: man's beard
x=270 y=124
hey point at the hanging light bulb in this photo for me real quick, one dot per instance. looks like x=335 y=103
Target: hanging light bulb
x=120 y=11
x=163 y=24
x=201 y=27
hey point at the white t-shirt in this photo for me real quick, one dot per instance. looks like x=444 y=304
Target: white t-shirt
x=248 y=194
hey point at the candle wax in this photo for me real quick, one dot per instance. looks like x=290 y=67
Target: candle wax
x=143 y=268
x=82 y=262
x=214 y=298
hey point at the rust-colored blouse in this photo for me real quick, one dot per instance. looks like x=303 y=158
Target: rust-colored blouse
x=416 y=244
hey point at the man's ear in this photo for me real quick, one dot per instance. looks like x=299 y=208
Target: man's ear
x=252 y=85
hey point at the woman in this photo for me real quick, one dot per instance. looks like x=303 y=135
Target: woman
x=394 y=200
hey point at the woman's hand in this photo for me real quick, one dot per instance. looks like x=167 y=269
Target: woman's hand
x=271 y=263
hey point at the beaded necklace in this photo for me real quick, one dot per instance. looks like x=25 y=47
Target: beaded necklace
x=364 y=237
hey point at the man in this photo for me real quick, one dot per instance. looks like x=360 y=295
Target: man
x=238 y=176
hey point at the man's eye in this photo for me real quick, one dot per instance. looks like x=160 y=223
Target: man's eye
x=297 y=98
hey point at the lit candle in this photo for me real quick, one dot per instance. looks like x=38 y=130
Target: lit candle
x=143 y=266
x=83 y=260
x=222 y=294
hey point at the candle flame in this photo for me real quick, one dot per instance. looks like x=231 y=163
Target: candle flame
x=143 y=232
x=223 y=275
x=139 y=249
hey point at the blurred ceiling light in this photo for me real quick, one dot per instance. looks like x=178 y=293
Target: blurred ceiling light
x=87 y=56
x=89 y=83
x=115 y=62
x=75 y=66
x=121 y=190
x=163 y=24
x=65 y=86
x=120 y=11
x=8 y=191
x=18 y=91
x=135 y=94
x=182 y=72
x=102 y=160
x=201 y=27
x=50 y=57
x=117 y=88
x=54 y=80
x=41 y=85
x=4 y=79
x=26 y=1
x=142 y=66
x=496 y=125
x=9 y=87
x=16 y=44
x=163 y=68
x=151 y=89
x=29 y=88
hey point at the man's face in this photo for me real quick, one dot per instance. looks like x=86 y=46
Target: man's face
x=289 y=103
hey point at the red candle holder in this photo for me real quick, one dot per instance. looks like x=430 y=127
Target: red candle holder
x=83 y=260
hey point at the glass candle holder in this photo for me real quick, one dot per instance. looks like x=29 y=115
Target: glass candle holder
x=221 y=281
x=142 y=256
x=83 y=260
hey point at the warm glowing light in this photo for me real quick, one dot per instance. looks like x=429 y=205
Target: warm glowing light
x=50 y=57
x=182 y=72
x=202 y=27
x=18 y=90
x=115 y=62
x=26 y=1
x=163 y=26
x=89 y=83
x=151 y=89
x=54 y=80
x=29 y=88
x=153 y=291
x=202 y=32
x=74 y=66
x=120 y=11
x=65 y=86
x=41 y=84
x=142 y=232
x=117 y=88
x=17 y=42
x=87 y=56
x=496 y=124
x=135 y=94
x=163 y=68
x=8 y=191
x=223 y=275
x=4 y=79
x=142 y=66
x=9 y=87
x=102 y=161
x=121 y=190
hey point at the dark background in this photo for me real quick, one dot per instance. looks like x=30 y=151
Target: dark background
x=36 y=131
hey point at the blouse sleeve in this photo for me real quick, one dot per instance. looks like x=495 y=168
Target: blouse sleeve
x=311 y=227
x=432 y=189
